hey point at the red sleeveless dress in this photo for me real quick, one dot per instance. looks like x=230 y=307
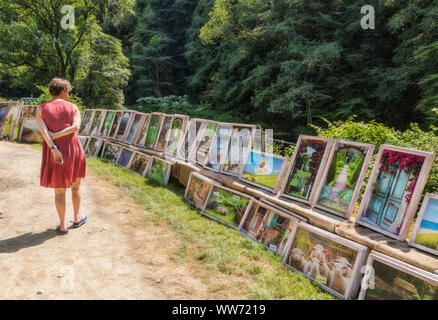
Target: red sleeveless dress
x=58 y=115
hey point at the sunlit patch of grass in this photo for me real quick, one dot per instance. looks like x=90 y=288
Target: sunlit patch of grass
x=252 y=270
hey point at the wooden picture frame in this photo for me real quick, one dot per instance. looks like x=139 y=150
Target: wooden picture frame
x=11 y=121
x=211 y=205
x=107 y=123
x=140 y=138
x=111 y=152
x=125 y=121
x=155 y=174
x=98 y=119
x=86 y=121
x=115 y=125
x=333 y=262
x=218 y=152
x=83 y=140
x=195 y=132
x=192 y=196
x=163 y=134
x=362 y=154
x=198 y=152
x=96 y=144
x=176 y=135
x=124 y=158
x=306 y=174
x=33 y=134
x=402 y=286
x=389 y=205
x=278 y=163
x=427 y=219
x=133 y=127
x=4 y=110
x=154 y=129
x=29 y=111
x=261 y=222
x=229 y=167
x=136 y=165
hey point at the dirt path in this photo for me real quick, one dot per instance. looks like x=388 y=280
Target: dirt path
x=113 y=256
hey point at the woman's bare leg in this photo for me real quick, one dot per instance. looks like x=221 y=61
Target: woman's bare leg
x=60 y=206
x=76 y=199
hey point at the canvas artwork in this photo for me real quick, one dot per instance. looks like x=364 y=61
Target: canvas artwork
x=154 y=126
x=140 y=163
x=30 y=131
x=394 y=190
x=227 y=206
x=84 y=141
x=207 y=134
x=219 y=147
x=116 y=123
x=86 y=122
x=192 y=139
x=238 y=149
x=308 y=162
x=93 y=147
x=4 y=108
x=10 y=123
x=164 y=133
x=160 y=171
x=141 y=138
x=124 y=157
x=177 y=131
x=197 y=189
x=268 y=225
x=123 y=126
x=264 y=170
x=343 y=177
x=387 y=278
x=107 y=123
x=133 y=128
x=111 y=152
x=333 y=262
x=97 y=121
x=29 y=112
x=425 y=233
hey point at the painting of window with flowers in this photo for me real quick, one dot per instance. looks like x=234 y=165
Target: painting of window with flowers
x=306 y=164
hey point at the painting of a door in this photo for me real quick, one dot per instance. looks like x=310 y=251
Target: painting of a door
x=387 y=197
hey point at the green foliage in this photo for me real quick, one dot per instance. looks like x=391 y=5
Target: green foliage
x=355 y=171
x=45 y=96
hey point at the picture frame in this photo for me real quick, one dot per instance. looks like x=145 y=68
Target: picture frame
x=94 y=146
x=107 y=123
x=160 y=170
x=4 y=110
x=164 y=132
x=424 y=236
x=218 y=149
x=29 y=131
x=176 y=135
x=232 y=165
x=333 y=262
x=29 y=112
x=115 y=125
x=396 y=280
x=124 y=158
x=285 y=210
x=387 y=206
x=193 y=137
x=111 y=152
x=133 y=127
x=264 y=170
x=198 y=188
x=205 y=137
x=122 y=129
x=154 y=128
x=267 y=225
x=86 y=120
x=83 y=140
x=98 y=119
x=227 y=206
x=140 y=139
x=301 y=178
x=339 y=195
x=11 y=120
x=140 y=163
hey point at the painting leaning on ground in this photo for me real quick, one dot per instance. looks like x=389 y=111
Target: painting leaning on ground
x=263 y=169
x=158 y=171
x=30 y=131
x=427 y=234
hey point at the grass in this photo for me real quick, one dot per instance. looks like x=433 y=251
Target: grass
x=217 y=248
x=268 y=180
x=429 y=240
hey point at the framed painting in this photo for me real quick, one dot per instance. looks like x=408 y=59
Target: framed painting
x=163 y=134
x=124 y=157
x=93 y=147
x=99 y=117
x=227 y=206
x=29 y=131
x=111 y=152
x=343 y=177
x=133 y=127
x=424 y=236
x=333 y=262
x=160 y=171
x=83 y=140
x=394 y=189
x=192 y=139
x=268 y=225
x=125 y=120
x=11 y=126
x=387 y=278
x=176 y=134
x=264 y=170
x=116 y=123
x=286 y=211
x=29 y=112
x=198 y=189
x=307 y=165
x=140 y=163
x=107 y=123
x=204 y=140
x=153 y=130
x=218 y=150
x=86 y=120
x=4 y=110
x=238 y=148
x=140 y=139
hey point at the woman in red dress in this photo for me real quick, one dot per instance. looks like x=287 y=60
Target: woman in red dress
x=63 y=159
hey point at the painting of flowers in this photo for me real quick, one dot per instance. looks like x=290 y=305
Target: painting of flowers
x=111 y=152
x=140 y=163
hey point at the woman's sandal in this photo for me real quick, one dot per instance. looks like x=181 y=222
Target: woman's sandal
x=60 y=232
x=80 y=223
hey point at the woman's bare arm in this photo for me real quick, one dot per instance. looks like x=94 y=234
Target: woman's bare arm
x=69 y=130
x=46 y=136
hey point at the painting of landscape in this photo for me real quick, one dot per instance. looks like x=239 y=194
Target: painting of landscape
x=264 y=169
x=111 y=152
x=427 y=234
x=218 y=149
x=394 y=284
x=106 y=127
x=205 y=143
x=141 y=139
x=10 y=125
x=342 y=176
x=163 y=136
x=238 y=149
x=133 y=128
x=116 y=122
x=95 y=126
x=30 y=131
x=226 y=206
x=123 y=125
x=159 y=171
x=175 y=133
x=86 y=117
x=152 y=131
x=197 y=191
x=139 y=163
